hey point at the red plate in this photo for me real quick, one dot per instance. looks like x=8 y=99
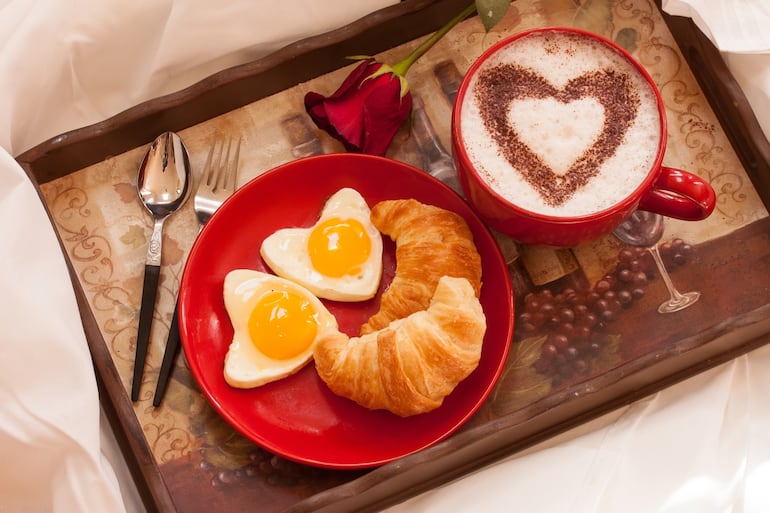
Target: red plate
x=298 y=417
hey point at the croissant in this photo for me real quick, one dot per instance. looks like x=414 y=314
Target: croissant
x=431 y=242
x=410 y=366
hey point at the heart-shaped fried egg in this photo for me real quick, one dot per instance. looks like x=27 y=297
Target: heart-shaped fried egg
x=276 y=324
x=338 y=258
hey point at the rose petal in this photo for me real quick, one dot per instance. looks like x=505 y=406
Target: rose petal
x=365 y=112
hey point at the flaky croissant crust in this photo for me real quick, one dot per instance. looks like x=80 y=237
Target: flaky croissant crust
x=431 y=242
x=411 y=365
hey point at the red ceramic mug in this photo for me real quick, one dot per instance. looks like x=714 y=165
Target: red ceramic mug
x=558 y=135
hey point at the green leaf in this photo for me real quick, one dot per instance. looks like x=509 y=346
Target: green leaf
x=592 y=15
x=134 y=236
x=491 y=11
x=520 y=384
x=609 y=358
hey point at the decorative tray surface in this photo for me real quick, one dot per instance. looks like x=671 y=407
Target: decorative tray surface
x=187 y=459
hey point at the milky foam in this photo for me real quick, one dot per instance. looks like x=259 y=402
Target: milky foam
x=558 y=131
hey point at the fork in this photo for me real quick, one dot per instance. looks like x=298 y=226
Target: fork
x=216 y=185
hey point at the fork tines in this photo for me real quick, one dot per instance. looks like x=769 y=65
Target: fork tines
x=221 y=175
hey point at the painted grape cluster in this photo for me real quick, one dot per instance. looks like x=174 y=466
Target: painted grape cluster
x=272 y=469
x=575 y=322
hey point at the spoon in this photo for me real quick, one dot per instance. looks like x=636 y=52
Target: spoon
x=163 y=186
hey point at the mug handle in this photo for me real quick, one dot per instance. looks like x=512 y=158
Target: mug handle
x=679 y=194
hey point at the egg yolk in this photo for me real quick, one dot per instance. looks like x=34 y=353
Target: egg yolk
x=283 y=324
x=338 y=247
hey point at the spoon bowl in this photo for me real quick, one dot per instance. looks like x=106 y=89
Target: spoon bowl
x=163 y=185
x=163 y=181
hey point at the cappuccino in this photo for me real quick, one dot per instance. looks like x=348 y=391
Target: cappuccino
x=559 y=124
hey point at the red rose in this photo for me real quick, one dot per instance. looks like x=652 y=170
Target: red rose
x=374 y=100
x=366 y=111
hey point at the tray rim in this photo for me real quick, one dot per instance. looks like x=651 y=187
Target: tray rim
x=397 y=481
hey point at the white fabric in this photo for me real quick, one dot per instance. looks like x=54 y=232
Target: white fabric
x=86 y=60
x=701 y=446
x=736 y=26
x=752 y=72
x=49 y=408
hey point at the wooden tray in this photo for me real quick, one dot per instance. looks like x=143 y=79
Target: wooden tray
x=714 y=133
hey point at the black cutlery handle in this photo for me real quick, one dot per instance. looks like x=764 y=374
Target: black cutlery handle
x=172 y=347
x=149 y=293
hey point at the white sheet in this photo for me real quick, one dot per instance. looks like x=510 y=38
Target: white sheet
x=49 y=409
x=701 y=446
x=69 y=64
x=734 y=26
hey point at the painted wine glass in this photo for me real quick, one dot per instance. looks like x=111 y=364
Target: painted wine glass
x=645 y=229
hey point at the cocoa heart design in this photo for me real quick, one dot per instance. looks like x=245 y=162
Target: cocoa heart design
x=500 y=85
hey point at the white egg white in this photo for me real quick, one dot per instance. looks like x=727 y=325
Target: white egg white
x=245 y=365
x=285 y=251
